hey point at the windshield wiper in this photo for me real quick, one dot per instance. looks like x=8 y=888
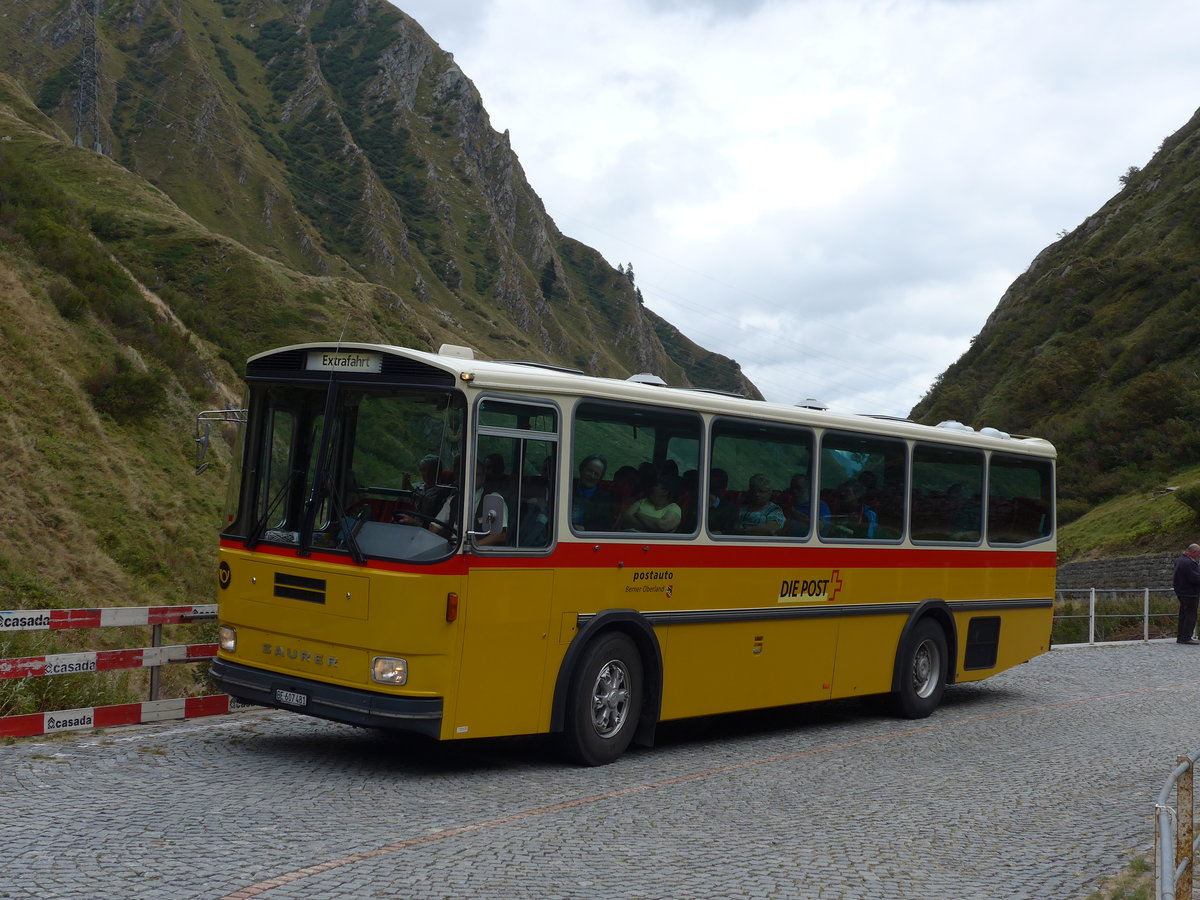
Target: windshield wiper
x=347 y=533
x=351 y=539
x=260 y=526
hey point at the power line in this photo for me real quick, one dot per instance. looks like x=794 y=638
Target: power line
x=87 y=97
x=833 y=367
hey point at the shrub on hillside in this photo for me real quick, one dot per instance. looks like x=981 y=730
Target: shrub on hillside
x=1069 y=510
x=1190 y=496
x=67 y=299
x=110 y=225
x=127 y=394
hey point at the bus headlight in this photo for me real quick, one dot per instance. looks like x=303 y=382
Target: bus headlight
x=389 y=670
x=227 y=638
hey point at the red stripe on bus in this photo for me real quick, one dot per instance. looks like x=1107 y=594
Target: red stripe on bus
x=710 y=557
x=454 y=565
x=599 y=554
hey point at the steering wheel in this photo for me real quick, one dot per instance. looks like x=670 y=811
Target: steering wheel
x=427 y=519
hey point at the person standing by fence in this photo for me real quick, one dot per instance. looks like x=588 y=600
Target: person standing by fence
x=1187 y=589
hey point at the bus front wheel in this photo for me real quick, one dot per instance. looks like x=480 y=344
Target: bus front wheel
x=605 y=701
x=922 y=668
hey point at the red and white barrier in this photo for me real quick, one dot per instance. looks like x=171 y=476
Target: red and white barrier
x=34 y=724
x=105 y=660
x=90 y=717
x=54 y=619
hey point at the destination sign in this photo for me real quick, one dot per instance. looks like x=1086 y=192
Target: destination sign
x=326 y=361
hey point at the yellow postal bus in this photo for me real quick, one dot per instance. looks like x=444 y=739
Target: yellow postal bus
x=462 y=548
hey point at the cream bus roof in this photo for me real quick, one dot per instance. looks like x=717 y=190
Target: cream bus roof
x=547 y=379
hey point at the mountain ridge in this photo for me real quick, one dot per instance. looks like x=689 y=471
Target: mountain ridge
x=1096 y=346
x=136 y=283
x=337 y=138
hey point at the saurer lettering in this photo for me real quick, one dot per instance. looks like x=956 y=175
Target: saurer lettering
x=316 y=659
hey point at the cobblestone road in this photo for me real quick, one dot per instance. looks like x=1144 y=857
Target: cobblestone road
x=1032 y=785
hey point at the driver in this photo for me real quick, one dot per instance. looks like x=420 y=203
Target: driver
x=440 y=524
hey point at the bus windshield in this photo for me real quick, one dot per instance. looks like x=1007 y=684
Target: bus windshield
x=371 y=472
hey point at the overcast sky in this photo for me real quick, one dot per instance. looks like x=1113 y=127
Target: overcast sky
x=835 y=193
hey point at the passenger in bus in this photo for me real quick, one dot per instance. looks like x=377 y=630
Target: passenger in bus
x=427 y=469
x=428 y=495
x=625 y=487
x=483 y=489
x=689 y=490
x=964 y=515
x=437 y=509
x=591 y=503
x=646 y=478
x=722 y=512
x=798 y=508
x=493 y=472
x=759 y=514
x=536 y=503
x=658 y=511
x=857 y=514
x=442 y=523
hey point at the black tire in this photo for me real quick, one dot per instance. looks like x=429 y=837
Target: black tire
x=604 y=701
x=923 y=663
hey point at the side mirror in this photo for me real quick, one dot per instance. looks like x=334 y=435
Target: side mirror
x=491 y=516
x=203 y=430
x=204 y=420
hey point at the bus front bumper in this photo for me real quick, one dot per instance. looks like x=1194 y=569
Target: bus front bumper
x=419 y=715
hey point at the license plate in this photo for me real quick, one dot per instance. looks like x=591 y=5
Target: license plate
x=291 y=698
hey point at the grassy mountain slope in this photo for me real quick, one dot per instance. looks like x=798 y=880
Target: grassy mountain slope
x=154 y=280
x=1095 y=346
x=98 y=393
x=273 y=172
x=336 y=140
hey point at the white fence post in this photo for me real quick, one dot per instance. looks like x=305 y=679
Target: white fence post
x=1099 y=634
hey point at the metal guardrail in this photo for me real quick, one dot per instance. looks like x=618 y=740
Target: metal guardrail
x=86 y=718
x=1175 y=842
x=1095 y=617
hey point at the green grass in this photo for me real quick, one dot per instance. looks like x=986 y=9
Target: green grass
x=1119 y=617
x=1135 y=883
x=1143 y=522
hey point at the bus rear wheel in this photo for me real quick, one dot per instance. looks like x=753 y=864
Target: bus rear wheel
x=922 y=667
x=605 y=701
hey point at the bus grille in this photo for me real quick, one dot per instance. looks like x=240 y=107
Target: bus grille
x=296 y=587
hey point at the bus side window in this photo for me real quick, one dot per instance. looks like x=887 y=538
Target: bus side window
x=863 y=480
x=518 y=452
x=621 y=451
x=1020 y=499
x=760 y=481
x=535 y=495
x=946 y=496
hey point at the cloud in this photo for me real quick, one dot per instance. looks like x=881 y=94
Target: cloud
x=833 y=192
